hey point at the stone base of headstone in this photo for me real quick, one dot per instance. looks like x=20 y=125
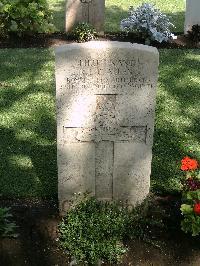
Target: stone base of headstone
x=89 y=11
x=106 y=95
x=192 y=14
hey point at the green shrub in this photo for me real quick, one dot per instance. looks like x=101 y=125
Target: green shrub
x=94 y=231
x=24 y=17
x=7 y=228
x=83 y=32
x=194 y=34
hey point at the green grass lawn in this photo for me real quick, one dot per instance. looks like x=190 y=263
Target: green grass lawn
x=28 y=123
x=116 y=10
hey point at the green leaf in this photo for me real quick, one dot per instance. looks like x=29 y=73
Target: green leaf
x=198 y=194
x=198 y=175
x=7 y=7
x=186 y=209
x=195 y=229
x=189 y=195
x=14 y=26
x=193 y=195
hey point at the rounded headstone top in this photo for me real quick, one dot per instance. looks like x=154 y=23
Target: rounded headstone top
x=101 y=45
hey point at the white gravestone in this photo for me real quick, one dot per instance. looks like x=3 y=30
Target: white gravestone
x=89 y=11
x=192 y=15
x=105 y=120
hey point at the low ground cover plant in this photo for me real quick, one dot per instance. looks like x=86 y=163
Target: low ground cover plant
x=148 y=23
x=83 y=32
x=7 y=228
x=25 y=17
x=191 y=196
x=94 y=231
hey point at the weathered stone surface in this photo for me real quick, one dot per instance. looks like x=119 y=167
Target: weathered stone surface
x=104 y=170
x=90 y=11
x=192 y=14
x=76 y=170
x=122 y=134
x=105 y=119
x=132 y=168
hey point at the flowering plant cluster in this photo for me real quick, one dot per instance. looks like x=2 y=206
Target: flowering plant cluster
x=191 y=196
x=148 y=22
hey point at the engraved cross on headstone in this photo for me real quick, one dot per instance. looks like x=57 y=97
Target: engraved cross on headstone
x=106 y=131
x=105 y=94
x=87 y=9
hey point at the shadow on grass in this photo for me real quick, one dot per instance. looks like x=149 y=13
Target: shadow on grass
x=58 y=11
x=177 y=118
x=113 y=16
x=177 y=19
x=27 y=168
x=28 y=127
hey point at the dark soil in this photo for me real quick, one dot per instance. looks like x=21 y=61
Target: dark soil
x=56 y=39
x=37 y=243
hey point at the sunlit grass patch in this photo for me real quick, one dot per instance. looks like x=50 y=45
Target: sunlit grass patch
x=116 y=10
x=28 y=163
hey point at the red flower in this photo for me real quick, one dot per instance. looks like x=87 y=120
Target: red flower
x=197 y=208
x=188 y=164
